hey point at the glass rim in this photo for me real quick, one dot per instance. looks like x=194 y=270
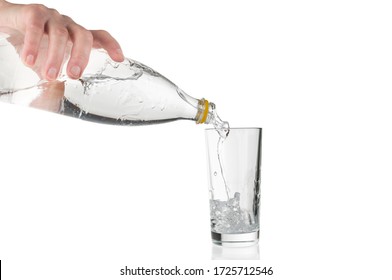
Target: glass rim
x=236 y=128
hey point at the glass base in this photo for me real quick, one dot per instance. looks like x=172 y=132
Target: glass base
x=235 y=239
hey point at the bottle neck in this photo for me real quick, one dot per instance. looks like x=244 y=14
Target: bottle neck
x=202 y=111
x=205 y=112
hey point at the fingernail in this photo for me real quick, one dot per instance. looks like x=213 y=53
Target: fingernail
x=75 y=71
x=30 y=60
x=52 y=73
x=119 y=51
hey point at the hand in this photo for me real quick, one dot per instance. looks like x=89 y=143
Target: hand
x=50 y=98
x=38 y=23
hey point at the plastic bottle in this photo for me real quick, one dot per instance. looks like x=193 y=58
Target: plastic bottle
x=127 y=93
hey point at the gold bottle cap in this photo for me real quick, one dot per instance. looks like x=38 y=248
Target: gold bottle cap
x=202 y=112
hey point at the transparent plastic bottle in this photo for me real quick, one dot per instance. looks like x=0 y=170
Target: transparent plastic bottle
x=127 y=93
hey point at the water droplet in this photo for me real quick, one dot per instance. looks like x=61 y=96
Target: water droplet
x=215 y=173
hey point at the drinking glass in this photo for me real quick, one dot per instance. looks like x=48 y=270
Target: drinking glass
x=234 y=170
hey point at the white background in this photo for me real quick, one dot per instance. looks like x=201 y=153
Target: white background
x=81 y=200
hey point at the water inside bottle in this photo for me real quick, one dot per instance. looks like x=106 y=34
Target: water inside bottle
x=127 y=93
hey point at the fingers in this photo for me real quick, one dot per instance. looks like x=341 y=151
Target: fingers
x=58 y=38
x=104 y=40
x=82 y=43
x=40 y=21
x=35 y=25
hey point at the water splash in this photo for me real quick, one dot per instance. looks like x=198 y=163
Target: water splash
x=222 y=127
x=228 y=217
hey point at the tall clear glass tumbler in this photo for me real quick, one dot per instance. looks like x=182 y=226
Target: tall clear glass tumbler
x=234 y=171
